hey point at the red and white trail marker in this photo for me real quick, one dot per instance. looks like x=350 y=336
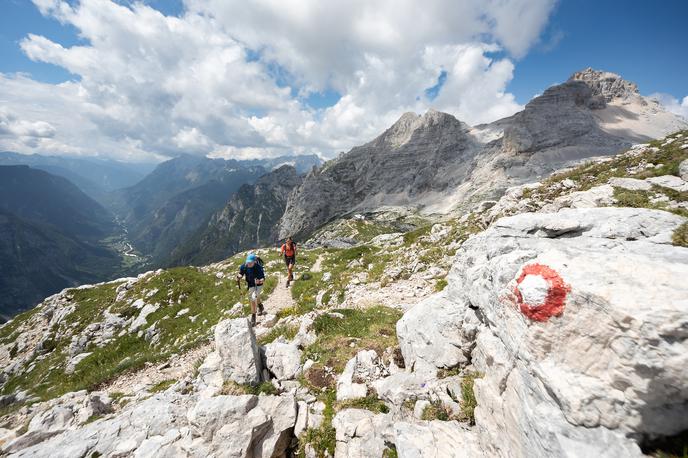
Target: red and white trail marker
x=540 y=292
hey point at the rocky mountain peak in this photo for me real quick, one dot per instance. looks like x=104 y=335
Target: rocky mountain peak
x=606 y=84
x=402 y=130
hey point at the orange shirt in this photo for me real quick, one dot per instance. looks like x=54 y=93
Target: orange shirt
x=289 y=252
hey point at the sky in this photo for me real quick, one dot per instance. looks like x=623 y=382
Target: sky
x=147 y=80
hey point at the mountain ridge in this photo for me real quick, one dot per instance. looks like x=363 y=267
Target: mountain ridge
x=583 y=117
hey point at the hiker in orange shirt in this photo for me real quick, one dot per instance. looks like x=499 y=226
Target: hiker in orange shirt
x=288 y=250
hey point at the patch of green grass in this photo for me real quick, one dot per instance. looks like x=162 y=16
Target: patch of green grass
x=324 y=438
x=436 y=411
x=450 y=372
x=370 y=402
x=304 y=291
x=7 y=330
x=680 y=235
x=412 y=237
x=288 y=331
x=632 y=199
x=641 y=199
x=390 y=452
x=93 y=418
x=440 y=284
x=370 y=328
x=162 y=386
x=235 y=389
x=469 y=402
x=116 y=396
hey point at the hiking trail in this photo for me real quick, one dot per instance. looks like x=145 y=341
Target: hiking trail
x=280 y=297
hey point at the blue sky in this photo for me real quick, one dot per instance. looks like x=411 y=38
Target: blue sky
x=235 y=78
x=641 y=40
x=644 y=41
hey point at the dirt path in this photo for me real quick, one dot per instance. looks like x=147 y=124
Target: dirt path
x=317 y=265
x=280 y=297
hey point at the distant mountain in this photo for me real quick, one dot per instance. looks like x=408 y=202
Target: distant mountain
x=46 y=199
x=303 y=164
x=177 y=198
x=37 y=260
x=50 y=236
x=95 y=177
x=438 y=164
x=248 y=220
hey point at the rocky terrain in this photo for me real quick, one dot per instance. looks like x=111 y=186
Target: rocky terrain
x=549 y=322
x=439 y=164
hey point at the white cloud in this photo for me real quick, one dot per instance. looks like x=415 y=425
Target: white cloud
x=672 y=104
x=228 y=77
x=10 y=125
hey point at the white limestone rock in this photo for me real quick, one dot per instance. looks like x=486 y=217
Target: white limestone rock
x=141 y=319
x=683 y=167
x=283 y=360
x=632 y=184
x=599 y=196
x=436 y=333
x=359 y=373
x=606 y=367
x=670 y=181
x=362 y=433
x=435 y=439
x=236 y=345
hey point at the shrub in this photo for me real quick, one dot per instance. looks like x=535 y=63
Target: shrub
x=680 y=236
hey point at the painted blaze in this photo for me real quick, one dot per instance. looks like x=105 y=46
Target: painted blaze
x=540 y=292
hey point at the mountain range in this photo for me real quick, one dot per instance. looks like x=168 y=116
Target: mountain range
x=95 y=177
x=248 y=220
x=438 y=163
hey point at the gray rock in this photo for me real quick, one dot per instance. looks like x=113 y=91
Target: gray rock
x=599 y=196
x=170 y=424
x=435 y=439
x=359 y=373
x=283 y=360
x=362 y=433
x=632 y=184
x=683 y=170
x=550 y=389
x=239 y=353
x=436 y=333
x=435 y=162
x=670 y=181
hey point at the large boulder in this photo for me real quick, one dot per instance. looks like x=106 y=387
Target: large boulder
x=362 y=433
x=582 y=338
x=437 y=333
x=435 y=439
x=683 y=169
x=283 y=360
x=245 y=425
x=239 y=353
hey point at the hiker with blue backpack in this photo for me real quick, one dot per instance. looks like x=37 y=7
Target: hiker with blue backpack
x=252 y=271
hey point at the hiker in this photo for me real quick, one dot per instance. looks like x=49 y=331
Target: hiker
x=252 y=271
x=288 y=250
